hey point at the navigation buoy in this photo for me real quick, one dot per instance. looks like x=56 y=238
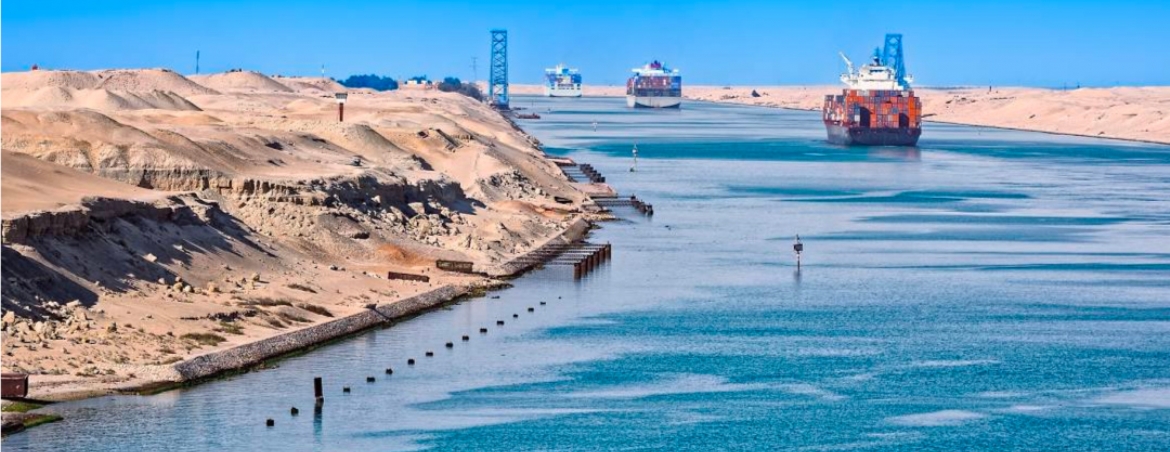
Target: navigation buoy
x=798 y=247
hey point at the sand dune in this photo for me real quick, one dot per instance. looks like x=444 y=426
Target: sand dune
x=240 y=81
x=318 y=85
x=60 y=97
x=140 y=80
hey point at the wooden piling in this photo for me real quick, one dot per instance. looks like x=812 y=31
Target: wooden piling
x=318 y=391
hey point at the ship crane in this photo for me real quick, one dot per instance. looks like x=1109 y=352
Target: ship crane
x=848 y=64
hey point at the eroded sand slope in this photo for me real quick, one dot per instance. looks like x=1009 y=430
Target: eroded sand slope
x=150 y=217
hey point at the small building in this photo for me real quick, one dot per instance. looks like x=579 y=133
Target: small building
x=417 y=84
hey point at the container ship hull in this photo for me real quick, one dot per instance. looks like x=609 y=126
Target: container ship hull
x=653 y=101
x=562 y=81
x=865 y=136
x=873 y=118
x=562 y=92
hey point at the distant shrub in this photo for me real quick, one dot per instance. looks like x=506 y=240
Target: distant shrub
x=319 y=310
x=454 y=85
x=371 y=81
x=301 y=287
x=266 y=301
x=204 y=338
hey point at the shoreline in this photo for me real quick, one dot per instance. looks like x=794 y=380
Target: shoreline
x=245 y=357
x=933 y=93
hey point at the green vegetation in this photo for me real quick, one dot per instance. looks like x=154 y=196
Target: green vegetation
x=266 y=301
x=41 y=419
x=21 y=407
x=454 y=85
x=370 y=81
x=301 y=287
x=229 y=328
x=293 y=317
x=321 y=311
x=204 y=338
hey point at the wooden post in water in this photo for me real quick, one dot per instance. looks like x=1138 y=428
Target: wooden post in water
x=318 y=392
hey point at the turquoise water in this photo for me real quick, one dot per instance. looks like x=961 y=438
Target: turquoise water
x=989 y=290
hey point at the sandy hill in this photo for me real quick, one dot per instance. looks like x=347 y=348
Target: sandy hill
x=34 y=80
x=140 y=80
x=320 y=85
x=248 y=81
x=60 y=97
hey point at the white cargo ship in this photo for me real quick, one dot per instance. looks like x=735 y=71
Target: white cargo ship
x=654 y=86
x=562 y=81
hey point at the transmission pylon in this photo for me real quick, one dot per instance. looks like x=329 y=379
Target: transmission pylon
x=498 y=81
x=892 y=56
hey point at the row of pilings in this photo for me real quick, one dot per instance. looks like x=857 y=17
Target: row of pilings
x=582 y=256
x=641 y=206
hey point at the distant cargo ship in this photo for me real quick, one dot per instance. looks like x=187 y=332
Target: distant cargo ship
x=562 y=81
x=878 y=108
x=654 y=86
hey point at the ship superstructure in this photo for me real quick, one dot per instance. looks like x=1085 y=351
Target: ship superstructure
x=878 y=106
x=562 y=81
x=654 y=86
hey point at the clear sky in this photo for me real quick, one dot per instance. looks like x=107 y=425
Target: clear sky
x=1022 y=42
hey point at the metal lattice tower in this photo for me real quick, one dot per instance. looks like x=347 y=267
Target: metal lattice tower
x=498 y=80
x=892 y=56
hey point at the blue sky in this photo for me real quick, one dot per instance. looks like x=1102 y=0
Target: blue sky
x=1036 y=43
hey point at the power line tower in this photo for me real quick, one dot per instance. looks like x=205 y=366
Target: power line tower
x=498 y=80
x=892 y=56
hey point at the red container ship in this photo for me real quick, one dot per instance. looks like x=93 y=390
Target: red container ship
x=877 y=109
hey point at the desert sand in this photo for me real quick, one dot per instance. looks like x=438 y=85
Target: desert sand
x=1127 y=113
x=151 y=218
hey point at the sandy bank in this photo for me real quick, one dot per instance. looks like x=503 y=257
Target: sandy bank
x=235 y=218
x=1126 y=113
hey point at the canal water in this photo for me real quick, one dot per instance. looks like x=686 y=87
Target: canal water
x=987 y=290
